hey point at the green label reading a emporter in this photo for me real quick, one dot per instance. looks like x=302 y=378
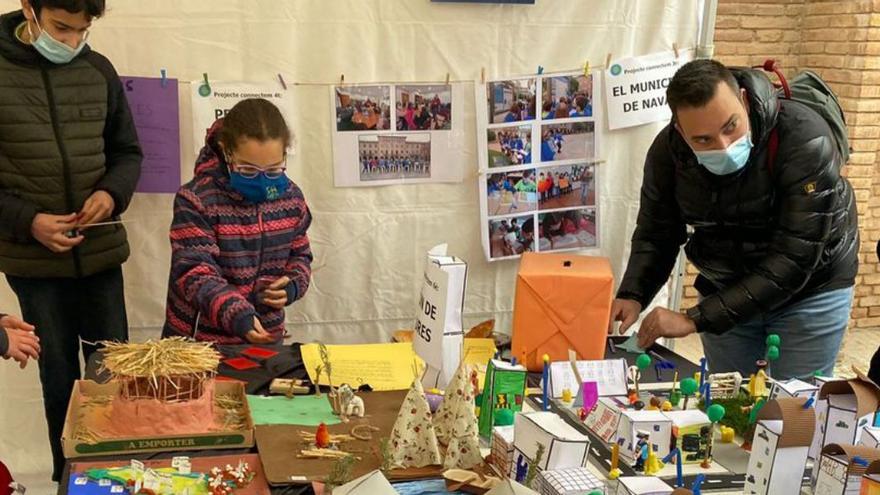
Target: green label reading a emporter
x=159 y=443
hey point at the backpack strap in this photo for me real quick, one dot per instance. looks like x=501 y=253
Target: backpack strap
x=772 y=148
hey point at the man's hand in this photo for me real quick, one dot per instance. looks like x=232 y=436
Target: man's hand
x=274 y=295
x=23 y=343
x=662 y=322
x=97 y=208
x=259 y=335
x=626 y=311
x=50 y=231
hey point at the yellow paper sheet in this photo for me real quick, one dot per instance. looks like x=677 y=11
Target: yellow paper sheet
x=383 y=366
x=478 y=352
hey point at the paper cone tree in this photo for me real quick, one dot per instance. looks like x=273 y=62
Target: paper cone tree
x=460 y=422
x=413 y=442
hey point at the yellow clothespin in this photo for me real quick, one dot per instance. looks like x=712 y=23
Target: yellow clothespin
x=587 y=68
x=483 y=75
x=607 y=60
x=675 y=49
x=447 y=79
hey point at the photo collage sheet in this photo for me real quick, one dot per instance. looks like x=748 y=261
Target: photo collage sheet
x=538 y=140
x=397 y=134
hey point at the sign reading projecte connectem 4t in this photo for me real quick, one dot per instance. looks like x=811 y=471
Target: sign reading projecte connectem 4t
x=635 y=88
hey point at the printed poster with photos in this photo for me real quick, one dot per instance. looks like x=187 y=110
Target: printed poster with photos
x=538 y=149
x=397 y=134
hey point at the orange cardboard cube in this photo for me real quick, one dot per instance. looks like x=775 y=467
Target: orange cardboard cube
x=563 y=302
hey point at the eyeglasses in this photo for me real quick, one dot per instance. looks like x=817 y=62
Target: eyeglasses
x=251 y=172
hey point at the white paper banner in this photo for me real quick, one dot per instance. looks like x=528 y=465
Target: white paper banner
x=215 y=100
x=635 y=88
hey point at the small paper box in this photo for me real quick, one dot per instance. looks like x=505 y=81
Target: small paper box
x=841 y=468
x=655 y=423
x=570 y=481
x=871 y=480
x=604 y=419
x=843 y=409
x=870 y=437
x=372 y=483
x=502 y=449
x=564 y=447
x=510 y=487
x=779 y=447
x=562 y=302
x=793 y=388
x=642 y=485
x=688 y=429
x=505 y=387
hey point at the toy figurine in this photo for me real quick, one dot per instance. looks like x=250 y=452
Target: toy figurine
x=758 y=381
x=652 y=463
x=654 y=404
x=322 y=437
x=641 y=450
x=350 y=404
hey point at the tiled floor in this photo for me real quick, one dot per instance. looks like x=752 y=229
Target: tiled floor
x=859 y=345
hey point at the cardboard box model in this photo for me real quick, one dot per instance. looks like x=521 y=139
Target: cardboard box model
x=569 y=481
x=502 y=449
x=782 y=438
x=871 y=480
x=792 y=388
x=504 y=388
x=562 y=302
x=642 y=485
x=843 y=409
x=690 y=429
x=655 y=423
x=870 y=437
x=841 y=468
x=564 y=447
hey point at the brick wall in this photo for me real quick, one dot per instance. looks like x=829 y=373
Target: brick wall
x=840 y=40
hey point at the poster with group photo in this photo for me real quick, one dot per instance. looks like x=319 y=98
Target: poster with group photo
x=397 y=134
x=538 y=141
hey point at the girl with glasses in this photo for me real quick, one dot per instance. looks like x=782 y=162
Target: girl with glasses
x=240 y=253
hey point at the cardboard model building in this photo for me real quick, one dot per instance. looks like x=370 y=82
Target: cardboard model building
x=510 y=487
x=655 y=423
x=871 y=480
x=564 y=447
x=841 y=468
x=793 y=388
x=782 y=439
x=570 y=481
x=870 y=437
x=843 y=409
x=642 y=485
x=690 y=430
x=502 y=449
x=505 y=388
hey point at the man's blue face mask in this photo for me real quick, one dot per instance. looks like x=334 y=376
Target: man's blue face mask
x=727 y=161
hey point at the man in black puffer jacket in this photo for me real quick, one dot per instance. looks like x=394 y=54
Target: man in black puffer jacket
x=69 y=157
x=775 y=240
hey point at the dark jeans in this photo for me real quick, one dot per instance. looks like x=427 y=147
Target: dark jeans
x=65 y=310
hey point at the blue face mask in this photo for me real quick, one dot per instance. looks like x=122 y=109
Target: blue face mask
x=730 y=160
x=260 y=188
x=52 y=49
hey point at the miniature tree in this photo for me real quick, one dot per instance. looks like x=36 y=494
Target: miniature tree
x=716 y=414
x=688 y=389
